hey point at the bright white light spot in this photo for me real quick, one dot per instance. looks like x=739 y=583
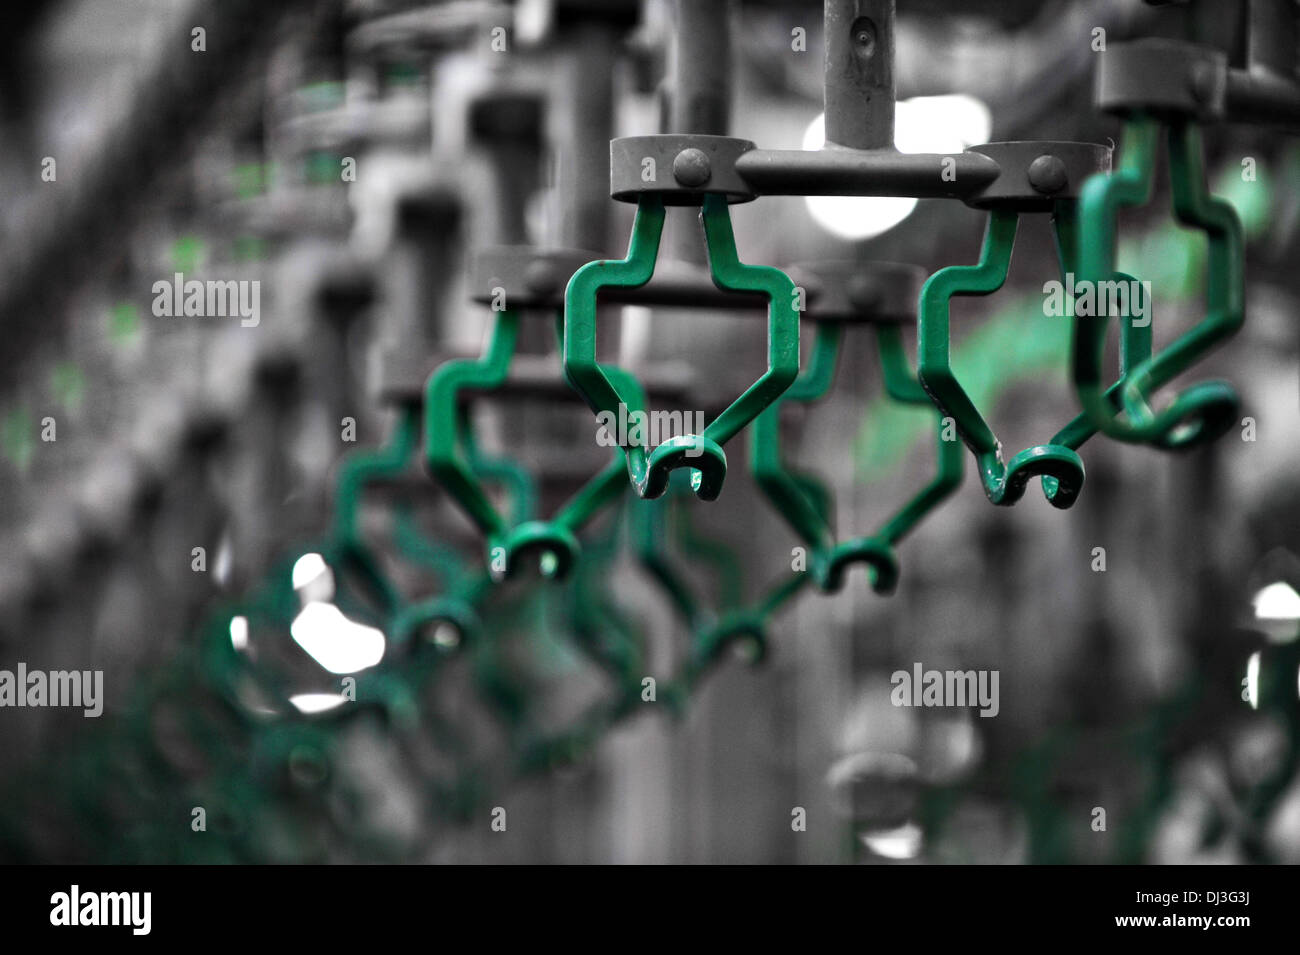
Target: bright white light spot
x=901 y=843
x=307 y=569
x=923 y=124
x=532 y=18
x=634 y=334
x=1277 y=601
x=941 y=124
x=446 y=635
x=239 y=632
x=317 y=702
x=222 y=566
x=1252 y=680
x=338 y=644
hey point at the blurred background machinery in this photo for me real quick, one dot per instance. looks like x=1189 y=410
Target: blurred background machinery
x=293 y=533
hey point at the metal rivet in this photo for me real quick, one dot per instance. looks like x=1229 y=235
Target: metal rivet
x=1047 y=175
x=691 y=168
x=863 y=31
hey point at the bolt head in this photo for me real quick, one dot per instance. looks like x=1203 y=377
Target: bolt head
x=1047 y=175
x=691 y=168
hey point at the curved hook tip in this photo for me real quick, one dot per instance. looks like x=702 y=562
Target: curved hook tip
x=704 y=456
x=554 y=547
x=879 y=557
x=1060 y=467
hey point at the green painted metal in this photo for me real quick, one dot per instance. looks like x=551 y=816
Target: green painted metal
x=708 y=631
x=702 y=453
x=1004 y=482
x=745 y=628
x=1200 y=412
x=361 y=468
x=345 y=550
x=552 y=542
x=804 y=502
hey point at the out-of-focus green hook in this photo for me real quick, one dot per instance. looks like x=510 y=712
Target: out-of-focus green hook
x=345 y=545
x=701 y=453
x=360 y=469
x=276 y=602
x=554 y=542
x=745 y=627
x=1003 y=482
x=605 y=633
x=707 y=631
x=599 y=629
x=648 y=525
x=1203 y=411
x=802 y=500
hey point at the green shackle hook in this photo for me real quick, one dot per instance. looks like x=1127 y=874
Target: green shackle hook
x=457 y=607
x=1134 y=348
x=802 y=500
x=649 y=523
x=702 y=453
x=360 y=469
x=602 y=629
x=1004 y=482
x=1203 y=411
x=646 y=522
x=743 y=627
x=553 y=542
x=593 y=623
x=365 y=594
x=364 y=468
x=1135 y=340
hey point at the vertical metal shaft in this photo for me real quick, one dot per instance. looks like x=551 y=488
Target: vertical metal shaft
x=860 y=73
x=582 y=123
x=700 y=98
x=1271 y=42
x=421 y=265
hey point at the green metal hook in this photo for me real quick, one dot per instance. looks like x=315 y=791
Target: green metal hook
x=1134 y=345
x=745 y=624
x=804 y=503
x=702 y=453
x=707 y=631
x=1203 y=411
x=1004 y=483
x=553 y=542
x=346 y=546
x=645 y=520
x=360 y=469
x=457 y=606
x=604 y=632
x=648 y=525
x=276 y=602
x=601 y=631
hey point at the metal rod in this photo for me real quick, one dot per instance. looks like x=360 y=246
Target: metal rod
x=859 y=73
x=1263 y=99
x=1271 y=40
x=700 y=100
x=852 y=172
x=582 y=117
